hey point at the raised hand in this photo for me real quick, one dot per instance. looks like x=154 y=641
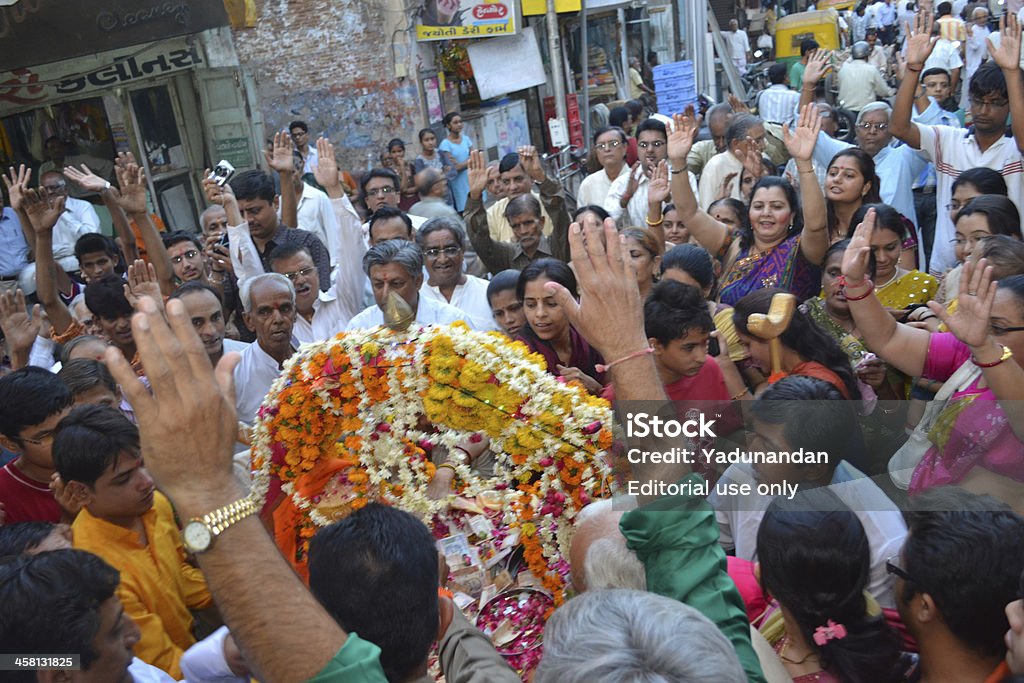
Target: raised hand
x=633 y=183
x=609 y=313
x=1007 y=55
x=191 y=408
x=920 y=41
x=658 y=188
x=738 y=105
x=124 y=159
x=970 y=323
x=132 y=179
x=477 y=173
x=800 y=143
x=818 y=64
x=726 y=189
x=142 y=282
x=20 y=326
x=85 y=178
x=43 y=211
x=530 y=160
x=752 y=162
x=217 y=255
x=326 y=169
x=857 y=256
x=281 y=159
x=17 y=184
x=680 y=140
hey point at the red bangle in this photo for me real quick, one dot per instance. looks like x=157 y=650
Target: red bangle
x=1006 y=354
x=865 y=295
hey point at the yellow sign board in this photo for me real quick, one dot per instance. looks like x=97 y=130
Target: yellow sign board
x=450 y=19
x=533 y=8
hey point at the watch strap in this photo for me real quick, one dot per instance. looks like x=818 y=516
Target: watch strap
x=232 y=513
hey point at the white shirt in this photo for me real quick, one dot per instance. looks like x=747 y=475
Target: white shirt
x=944 y=56
x=331 y=313
x=860 y=84
x=714 y=174
x=204 y=662
x=141 y=672
x=953 y=151
x=778 y=104
x=595 y=187
x=738 y=44
x=470 y=298
x=976 y=50
x=79 y=218
x=428 y=312
x=254 y=375
x=316 y=216
x=740 y=516
x=335 y=307
x=635 y=213
x=312 y=159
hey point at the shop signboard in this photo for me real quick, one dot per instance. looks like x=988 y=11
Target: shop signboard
x=233 y=150
x=533 y=8
x=452 y=19
x=60 y=81
x=43 y=31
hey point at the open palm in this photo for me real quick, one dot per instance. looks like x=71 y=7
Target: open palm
x=800 y=142
x=680 y=140
x=1007 y=55
x=970 y=323
x=920 y=41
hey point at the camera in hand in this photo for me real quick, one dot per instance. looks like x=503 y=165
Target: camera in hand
x=222 y=172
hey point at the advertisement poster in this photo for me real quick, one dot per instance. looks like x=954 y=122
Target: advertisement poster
x=451 y=19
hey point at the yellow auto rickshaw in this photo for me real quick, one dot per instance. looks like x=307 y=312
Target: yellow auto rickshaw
x=790 y=31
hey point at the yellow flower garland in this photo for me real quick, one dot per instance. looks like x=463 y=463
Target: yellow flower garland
x=342 y=426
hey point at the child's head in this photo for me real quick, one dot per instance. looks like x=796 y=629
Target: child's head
x=30 y=538
x=678 y=325
x=96 y=453
x=32 y=402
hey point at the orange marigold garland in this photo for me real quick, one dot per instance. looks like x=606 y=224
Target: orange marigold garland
x=343 y=425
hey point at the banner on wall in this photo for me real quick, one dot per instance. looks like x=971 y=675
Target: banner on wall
x=450 y=19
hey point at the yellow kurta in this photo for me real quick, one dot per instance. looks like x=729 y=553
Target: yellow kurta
x=158 y=587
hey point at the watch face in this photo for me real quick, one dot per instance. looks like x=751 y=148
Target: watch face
x=197 y=537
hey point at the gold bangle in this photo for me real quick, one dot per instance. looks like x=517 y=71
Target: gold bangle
x=654 y=225
x=740 y=394
x=448 y=465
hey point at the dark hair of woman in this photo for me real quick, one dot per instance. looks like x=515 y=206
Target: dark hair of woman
x=552 y=269
x=1000 y=212
x=693 y=260
x=816 y=562
x=803 y=336
x=885 y=217
x=590 y=208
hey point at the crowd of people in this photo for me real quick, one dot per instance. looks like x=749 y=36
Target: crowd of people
x=135 y=367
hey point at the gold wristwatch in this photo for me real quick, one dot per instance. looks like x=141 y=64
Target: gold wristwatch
x=199 y=533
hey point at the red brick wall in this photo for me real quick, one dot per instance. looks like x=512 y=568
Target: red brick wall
x=330 y=63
